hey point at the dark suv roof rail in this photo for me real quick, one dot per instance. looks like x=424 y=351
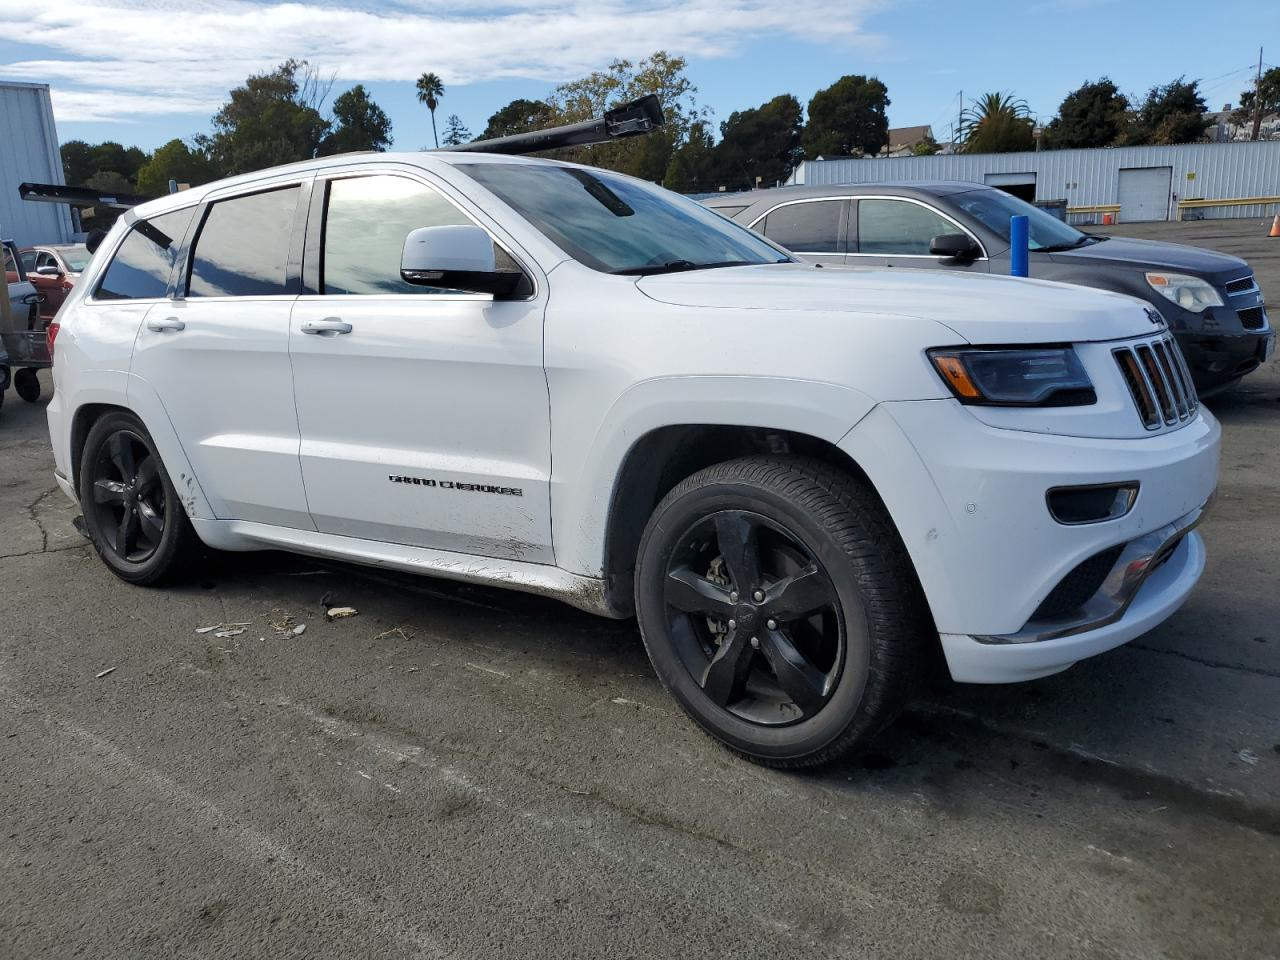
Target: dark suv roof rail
x=629 y=120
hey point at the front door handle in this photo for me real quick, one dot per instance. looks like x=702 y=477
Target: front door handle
x=168 y=323
x=328 y=327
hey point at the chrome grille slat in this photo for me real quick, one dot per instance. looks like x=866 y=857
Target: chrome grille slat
x=1159 y=382
x=1174 y=378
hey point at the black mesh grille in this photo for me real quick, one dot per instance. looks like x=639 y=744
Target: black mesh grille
x=1252 y=318
x=1075 y=589
x=1243 y=285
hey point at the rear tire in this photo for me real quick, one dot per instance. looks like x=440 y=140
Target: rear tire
x=778 y=606
x=132 y=512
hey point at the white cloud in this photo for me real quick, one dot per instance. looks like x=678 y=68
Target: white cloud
x=116 y=59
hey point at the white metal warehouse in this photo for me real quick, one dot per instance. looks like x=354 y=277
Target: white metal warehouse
x=1189 y=181
x=29 y=153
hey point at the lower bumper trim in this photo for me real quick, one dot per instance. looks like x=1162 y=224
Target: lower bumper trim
x=1137 y=561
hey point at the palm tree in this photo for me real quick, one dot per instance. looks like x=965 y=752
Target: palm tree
x=997 y=123
x=430 y=90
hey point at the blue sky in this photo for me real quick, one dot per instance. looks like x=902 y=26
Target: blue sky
x=144 y=71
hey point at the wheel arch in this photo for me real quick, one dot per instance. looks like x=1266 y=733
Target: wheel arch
x=157 y=424
x=663 y=457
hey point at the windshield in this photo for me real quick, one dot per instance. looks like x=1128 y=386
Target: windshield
x=993 y=208
x=619 y=225
x=77 y=258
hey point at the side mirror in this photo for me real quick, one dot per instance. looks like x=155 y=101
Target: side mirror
x=956 y=246
x=48 y=271
x=456 y=258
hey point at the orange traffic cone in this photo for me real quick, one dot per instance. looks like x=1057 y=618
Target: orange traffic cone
x=1275 y=227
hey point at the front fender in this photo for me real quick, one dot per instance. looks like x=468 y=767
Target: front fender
x=587 y=464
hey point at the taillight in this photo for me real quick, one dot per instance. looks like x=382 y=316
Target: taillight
x=53 y=335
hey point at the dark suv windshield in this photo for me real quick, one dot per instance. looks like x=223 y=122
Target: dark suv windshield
x=619 y=225
x=993 y=208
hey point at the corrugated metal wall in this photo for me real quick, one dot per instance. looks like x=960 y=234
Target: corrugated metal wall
x=1086 y=178
x=29 y=152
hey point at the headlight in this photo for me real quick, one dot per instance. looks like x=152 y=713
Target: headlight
x=1190 y=293
x=1015 y=376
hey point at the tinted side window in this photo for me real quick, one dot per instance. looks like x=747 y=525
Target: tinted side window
x=805 y=227
x=242 y=249
x=898 y=227
x=28 y=261
x=366 y=221
x=42 y=260
x=140 y=269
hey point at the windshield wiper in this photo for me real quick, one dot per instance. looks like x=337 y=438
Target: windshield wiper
x=675 y=266
x=1057 y=247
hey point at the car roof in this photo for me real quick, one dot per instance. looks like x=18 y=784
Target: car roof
x=897 y=188
x=418 y=158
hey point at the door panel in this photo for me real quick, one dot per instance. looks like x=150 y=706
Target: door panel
x=219 y=360
x=424 y=415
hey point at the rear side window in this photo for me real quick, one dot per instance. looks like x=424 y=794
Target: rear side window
x=28 y=261
x=899 y=227
x=141 y=267
x=805 y=227
x=242 y=249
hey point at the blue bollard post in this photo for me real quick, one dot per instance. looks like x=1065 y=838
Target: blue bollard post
x=1019 y=259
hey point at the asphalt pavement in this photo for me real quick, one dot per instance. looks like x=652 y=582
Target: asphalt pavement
x=463 y=772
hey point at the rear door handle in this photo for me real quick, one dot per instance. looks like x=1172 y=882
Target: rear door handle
x=328 y=327
x=168 y=323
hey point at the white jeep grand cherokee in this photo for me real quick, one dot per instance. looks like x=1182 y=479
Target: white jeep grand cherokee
x=803 y=480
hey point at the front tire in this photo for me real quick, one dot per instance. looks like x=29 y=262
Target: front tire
x=778 y=605
x=132 y=512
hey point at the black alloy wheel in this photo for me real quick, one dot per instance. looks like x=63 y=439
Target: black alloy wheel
x=755 y=618
x=132 y=513
x=128 y=497
x=778 y=605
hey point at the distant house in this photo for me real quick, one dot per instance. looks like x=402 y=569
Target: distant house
x=1221 y=126
x=903 y=141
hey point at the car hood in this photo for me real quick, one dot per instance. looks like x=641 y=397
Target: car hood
x=980 y=308
x=1157 y=255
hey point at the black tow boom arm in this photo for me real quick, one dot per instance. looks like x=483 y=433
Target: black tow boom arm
x=77 y=196
x=629 y=120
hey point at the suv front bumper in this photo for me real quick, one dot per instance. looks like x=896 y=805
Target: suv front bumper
x=969 y=502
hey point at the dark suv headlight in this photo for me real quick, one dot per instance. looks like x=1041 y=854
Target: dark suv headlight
x=1015 y=376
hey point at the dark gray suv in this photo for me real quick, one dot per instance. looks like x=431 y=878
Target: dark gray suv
x=1210 y=300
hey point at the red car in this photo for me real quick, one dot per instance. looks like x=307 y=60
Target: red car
x=53 y=271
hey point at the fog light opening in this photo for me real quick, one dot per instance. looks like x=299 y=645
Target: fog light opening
x=1093 y=503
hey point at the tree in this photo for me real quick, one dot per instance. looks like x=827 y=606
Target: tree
x=108 y=181
x=1173 y=113
x=848 y=118
x=430 y=90
x=660 y=74
x=761 y=144
x=997 y=123
x=1254 y=104
x=455 y=131
x=77 y=162
x=274 y=118
x=358 y=124
x=519 y=116
x=694 y=166
x=1094 y=115
x=925 y=148
x=174 y=161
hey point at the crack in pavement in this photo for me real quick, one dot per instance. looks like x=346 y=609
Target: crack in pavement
x=1205 y=662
